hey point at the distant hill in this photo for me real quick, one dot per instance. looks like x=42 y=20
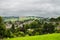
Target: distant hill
x=22 y=18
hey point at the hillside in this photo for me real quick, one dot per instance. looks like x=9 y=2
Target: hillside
x=12 y=18
x=55 y=36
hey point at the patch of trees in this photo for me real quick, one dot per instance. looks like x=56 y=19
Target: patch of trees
x=34 y=28
x=55 y=19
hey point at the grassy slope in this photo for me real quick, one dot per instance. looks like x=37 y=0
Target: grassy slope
x=55 y=36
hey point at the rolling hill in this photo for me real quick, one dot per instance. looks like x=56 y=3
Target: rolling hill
x=55 y=36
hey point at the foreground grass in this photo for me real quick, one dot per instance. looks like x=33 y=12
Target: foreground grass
x=55 y=36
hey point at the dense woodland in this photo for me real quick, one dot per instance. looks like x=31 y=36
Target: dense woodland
x=36 y=27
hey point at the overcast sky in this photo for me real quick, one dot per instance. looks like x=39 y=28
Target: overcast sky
x=44 y=8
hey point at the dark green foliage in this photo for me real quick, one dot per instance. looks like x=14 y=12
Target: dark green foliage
x=13 y=28
x=58 y=18
x=2 y=28
x=9 y=34
x=48 y=28
x=53 y=19
x=36 y=27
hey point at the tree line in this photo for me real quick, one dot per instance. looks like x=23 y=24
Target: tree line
x=35 y=28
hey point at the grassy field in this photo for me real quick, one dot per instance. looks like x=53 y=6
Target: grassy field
x=16 y=19
x=55 y=36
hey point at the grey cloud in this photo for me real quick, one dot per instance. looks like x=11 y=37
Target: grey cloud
x=45 y=8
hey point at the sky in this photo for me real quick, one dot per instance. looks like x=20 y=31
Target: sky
x=43 y=8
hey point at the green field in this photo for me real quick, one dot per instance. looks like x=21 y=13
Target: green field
x=55 y=36
x=16 y=19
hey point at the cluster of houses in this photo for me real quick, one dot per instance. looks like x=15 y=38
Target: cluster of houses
x=17 y=20
x=17 y=23
x=21 y=23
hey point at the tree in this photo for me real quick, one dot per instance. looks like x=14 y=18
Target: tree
x=58 y=18
x=48 y=28
x=2 y=28
x=1 y=20
x=30 y=32
x=8 y=33
x=13 y=28
x=52 y=19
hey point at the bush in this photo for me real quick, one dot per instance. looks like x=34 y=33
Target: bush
x=9 y=34
x=30 y=32
x=20 y=34
x=48 y=28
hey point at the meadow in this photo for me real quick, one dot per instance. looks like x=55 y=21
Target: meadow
x=55 y=36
